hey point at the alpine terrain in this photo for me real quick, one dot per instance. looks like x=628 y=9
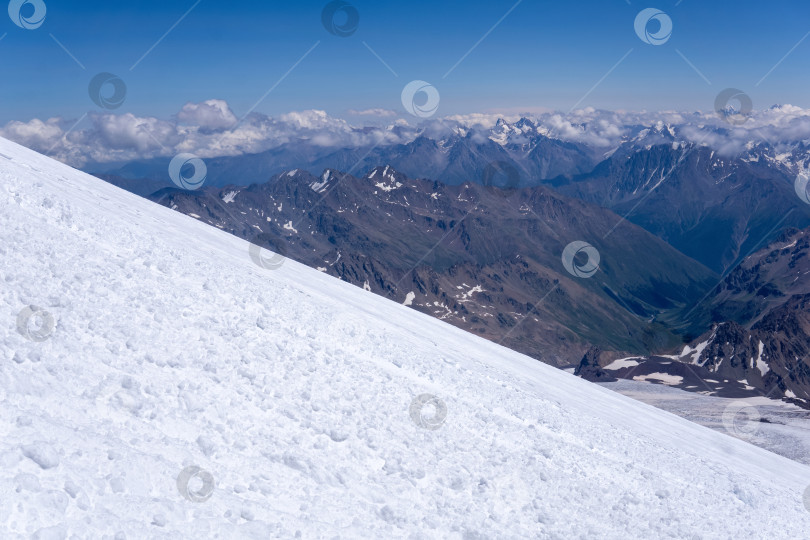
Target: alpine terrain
x=161 y=378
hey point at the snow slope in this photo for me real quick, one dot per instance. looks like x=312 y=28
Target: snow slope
x=785 y=431
x=291 y=392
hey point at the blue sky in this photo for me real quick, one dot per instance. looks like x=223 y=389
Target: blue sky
x=542 y=55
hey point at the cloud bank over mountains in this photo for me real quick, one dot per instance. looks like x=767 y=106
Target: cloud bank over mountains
x=212 y=129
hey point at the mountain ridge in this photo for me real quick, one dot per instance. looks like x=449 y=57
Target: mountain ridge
x=480 y=257
x=759 y=343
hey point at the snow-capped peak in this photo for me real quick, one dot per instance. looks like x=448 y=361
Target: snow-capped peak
x=385 y=178
x=323 y=184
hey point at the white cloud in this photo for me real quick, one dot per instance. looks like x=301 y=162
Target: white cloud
x=212 y=114
x=482 y=120
x=36 y=133
x=384 y=113
x=211 y=129
x=312 y=119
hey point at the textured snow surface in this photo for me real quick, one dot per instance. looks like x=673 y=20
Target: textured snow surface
x=785 y=431
x=285 y=396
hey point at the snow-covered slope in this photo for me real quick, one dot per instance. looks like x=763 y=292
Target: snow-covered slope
x=292 y=393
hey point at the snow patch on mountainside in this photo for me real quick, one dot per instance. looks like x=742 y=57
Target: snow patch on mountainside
x=693 y=353
x=320 y=187
x=761 y=364
x=623 y=363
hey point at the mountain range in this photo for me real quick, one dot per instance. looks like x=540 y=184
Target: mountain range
x=759 y=340
x=455 y=156
x=471 y=228
x=479 y=257
x=687 y=193
x=713 y=208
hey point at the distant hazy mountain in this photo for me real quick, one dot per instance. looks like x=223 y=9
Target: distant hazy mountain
x=462 y=156
x=713 y=208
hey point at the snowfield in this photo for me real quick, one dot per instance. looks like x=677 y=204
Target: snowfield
x=784 y=429
x=183 y=391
